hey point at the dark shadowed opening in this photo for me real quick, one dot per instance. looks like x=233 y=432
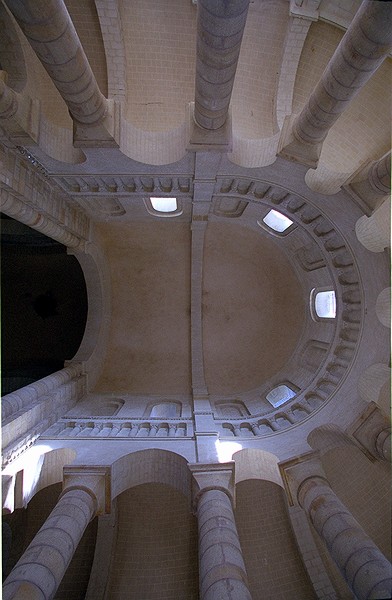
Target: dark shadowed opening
x=43 y=305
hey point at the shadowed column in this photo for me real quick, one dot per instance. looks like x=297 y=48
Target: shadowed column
x=220 y=26
x=361 y=51
x=222 y=572
x=50 y=31
x=38 y=573
x=374 y=232
x=41 y=568
x=362 y=564
x=373 y=183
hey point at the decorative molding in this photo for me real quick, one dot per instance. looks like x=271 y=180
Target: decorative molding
x=91 y=186
x=96 y=478
x=98 y=428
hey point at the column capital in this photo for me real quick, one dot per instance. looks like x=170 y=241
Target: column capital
x=297 y=470
x=94 y=479
x=209 y=140
x=372 y=429
x=305 y=9
x=212 y=476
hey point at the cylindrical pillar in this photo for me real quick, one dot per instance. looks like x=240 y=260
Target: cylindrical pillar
x=379 y=177
x=372 y=429
x=361 y=51
x=365 y=568
x=52 y=35
x=372 y=383
x=383 y=444
x=221 y=566
x=375 y=232
x=374 y=182
x=383 y=307
x=43 y=565
x=220 y=26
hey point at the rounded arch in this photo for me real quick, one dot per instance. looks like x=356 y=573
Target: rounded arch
x=268 y=542
x=328 y=437
x=93 y=346
x=252 y=463
x=151 y=466
x=39 y=467
x=44 y=304
x=163 y=409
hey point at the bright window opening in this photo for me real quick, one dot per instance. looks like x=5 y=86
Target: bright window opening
x=325 y=304
x=280 y=395
x=277 y=221
x=166 y=205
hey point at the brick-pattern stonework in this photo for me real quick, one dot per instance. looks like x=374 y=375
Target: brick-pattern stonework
x=85 y=18
x=142 y=418
x=364 y=487
x=254 y=93
x=156 y=551
x=275 y=571
x=160 y=62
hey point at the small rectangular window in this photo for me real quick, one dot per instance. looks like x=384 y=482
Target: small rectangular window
x=277 y=221
x=166 y=205
x=280 y=395
x=325 y=304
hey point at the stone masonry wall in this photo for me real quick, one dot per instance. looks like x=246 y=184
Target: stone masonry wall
x=275 y=571
x=156 y=550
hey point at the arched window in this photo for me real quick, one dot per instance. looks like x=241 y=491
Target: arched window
x=231 y=410
x=280 y=394
x=107 y=408
x=167 y=410
x=166 y=205
x=163 y=207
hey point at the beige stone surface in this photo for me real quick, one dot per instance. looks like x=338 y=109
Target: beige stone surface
x=143 y=422
x=154 y=522
x=269 y=550
x=251 y=300
x=253 y=308
x=149 y=344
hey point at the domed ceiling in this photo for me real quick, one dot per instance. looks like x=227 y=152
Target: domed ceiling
x=253 y=308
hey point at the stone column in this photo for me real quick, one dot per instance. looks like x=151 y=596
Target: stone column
x=374 y=232
x=220 y=26
x=372 y=183
x=383 y=307
x=43 y=565
x=364 y=567
x=50 y=31
x=222 y=571
x=19 y=115
x=372 y=429
x=361 y=51
x=374 y=385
